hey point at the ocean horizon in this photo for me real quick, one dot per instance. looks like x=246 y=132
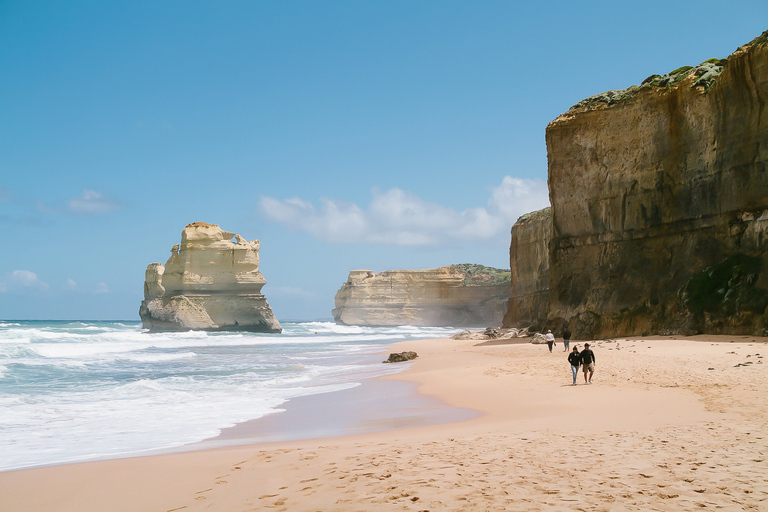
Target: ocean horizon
x=83 y=390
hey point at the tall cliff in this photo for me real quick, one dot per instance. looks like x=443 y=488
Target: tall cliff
x=210 y=282
x=528 y=304
x=659 y=199
x=456 y=295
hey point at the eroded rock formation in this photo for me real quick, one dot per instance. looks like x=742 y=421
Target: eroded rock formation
x=456 y=295
x=491 y=333
x=659 y=200
x=210 y=282
x=528 y=304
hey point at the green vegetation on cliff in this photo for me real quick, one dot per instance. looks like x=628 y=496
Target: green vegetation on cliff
x=475 y=275
x=705 y=74
x=761 y=39
x=536 y=216
x=726 y=288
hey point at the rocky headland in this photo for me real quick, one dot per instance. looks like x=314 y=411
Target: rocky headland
x=455 y=295
x=659 y=208
x=211 y=282
x=529 y=258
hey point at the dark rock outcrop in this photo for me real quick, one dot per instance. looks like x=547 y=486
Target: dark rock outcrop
x=400 y=357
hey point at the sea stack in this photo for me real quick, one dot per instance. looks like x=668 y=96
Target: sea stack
x=659 y=218
x=211 y=282
x=457 y=295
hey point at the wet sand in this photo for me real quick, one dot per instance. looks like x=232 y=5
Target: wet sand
x=376 y=405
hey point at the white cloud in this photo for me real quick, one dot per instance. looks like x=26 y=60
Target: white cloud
x=517 y=196
x=20 y=280
x=101 y=288
x=25 y=277
x=93 y=203
x=396 y=217
x=71 y=283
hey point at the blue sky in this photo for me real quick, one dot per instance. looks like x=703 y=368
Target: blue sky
x=341 y=134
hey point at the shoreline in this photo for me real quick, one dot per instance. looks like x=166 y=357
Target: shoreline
x=381 y=404
x=668 y=424
x=316 y=416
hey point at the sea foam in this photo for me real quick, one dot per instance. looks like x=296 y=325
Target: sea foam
x=73 y=391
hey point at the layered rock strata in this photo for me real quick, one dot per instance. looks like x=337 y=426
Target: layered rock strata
x=456 y=295
x=211 y=282
x=659 y=199
x=528 y=304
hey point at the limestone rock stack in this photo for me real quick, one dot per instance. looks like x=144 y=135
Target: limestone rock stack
x=210 y=282
x=456 y=295
x=659 y=194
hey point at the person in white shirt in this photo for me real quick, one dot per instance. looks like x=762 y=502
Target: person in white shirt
x=550 y=339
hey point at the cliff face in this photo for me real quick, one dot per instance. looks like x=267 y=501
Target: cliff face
x=528 y=304
x=457 y=295
x=660 y=204
x=210 y=282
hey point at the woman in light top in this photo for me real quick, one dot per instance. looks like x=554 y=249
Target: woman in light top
x=550 y=339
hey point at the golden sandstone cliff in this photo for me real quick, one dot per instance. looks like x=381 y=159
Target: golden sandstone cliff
x=456 y=295
x=529 y=258
x=210 y=282
x=659 y=216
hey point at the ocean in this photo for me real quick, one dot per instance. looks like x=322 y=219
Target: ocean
x=76 y=391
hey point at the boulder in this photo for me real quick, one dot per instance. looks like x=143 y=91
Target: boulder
x=491 y=333
x=400 y=357
x=466 y=334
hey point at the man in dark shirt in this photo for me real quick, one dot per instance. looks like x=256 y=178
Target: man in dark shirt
x=575 y=359
x=587 y=363
x=566 y=339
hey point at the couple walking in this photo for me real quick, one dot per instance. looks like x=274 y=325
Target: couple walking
x=585 y=359
x=550 y=339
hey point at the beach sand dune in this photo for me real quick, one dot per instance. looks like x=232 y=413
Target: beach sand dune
x=669 y=424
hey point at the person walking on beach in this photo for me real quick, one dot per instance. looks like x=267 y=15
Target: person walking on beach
x=575 y=359
x=566 y=339
x=587 y=363
x=550 y=339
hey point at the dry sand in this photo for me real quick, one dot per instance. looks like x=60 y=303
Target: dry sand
x=669 y=424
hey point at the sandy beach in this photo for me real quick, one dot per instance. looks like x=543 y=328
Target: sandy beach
x=670 y=423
